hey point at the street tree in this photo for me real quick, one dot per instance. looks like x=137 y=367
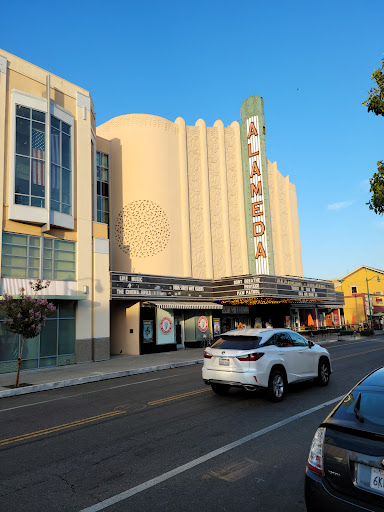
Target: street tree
x=375 y=104
x=26 y=316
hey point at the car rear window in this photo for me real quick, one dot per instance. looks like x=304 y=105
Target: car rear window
x=366 y=410
x=238 y=342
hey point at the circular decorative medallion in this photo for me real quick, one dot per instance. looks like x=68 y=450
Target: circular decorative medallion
x=203 y=323
x=142 y=229
x=165 y=325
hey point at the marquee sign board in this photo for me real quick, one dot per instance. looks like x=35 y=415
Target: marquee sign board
x=257 y=198
x=147 y=287
x=144 y=286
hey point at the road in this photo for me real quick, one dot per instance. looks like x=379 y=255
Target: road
x=165 y=442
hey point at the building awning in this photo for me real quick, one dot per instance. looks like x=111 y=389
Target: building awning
x=378 y=314
x=186 y=305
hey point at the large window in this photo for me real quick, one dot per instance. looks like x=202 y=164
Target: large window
x=61 y=166
x=55 y=345
x=102 y=187
x=59 y=260
x=30 y=157
x=22 y=256
x=41 y=156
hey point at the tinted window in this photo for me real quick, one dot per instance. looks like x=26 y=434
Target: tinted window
x=283 y=340
x=238 y=342
x=370 y=408
x=298 y=341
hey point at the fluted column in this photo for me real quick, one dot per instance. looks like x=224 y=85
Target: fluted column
x=185 y=222
x=224 y=198
x=205 y=199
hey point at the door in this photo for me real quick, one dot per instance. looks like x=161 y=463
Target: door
x=288 y=353
x=306 y=358
x=178 y=330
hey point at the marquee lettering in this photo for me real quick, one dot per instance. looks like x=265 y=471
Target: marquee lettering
x=260 y=251
x=256 y=186
x=256 y=189
x=262 y=228
x=256 y=209
x=252 y=130
x=250 y=151
x=255 y=169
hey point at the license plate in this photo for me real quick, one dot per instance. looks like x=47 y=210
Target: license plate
x=377 y=479
x=224 y=361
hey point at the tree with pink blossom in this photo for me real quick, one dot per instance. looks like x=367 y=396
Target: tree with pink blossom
x=26 y=315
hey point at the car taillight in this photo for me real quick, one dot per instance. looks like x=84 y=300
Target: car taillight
x=206 y=355
x=251 y=357
x=316 y=453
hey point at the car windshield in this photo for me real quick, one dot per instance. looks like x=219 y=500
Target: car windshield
x=362 y=406
x=238 y=342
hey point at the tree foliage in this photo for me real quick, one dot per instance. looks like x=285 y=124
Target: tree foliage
x=26 y=315
x=377 y=189
x=375 y=104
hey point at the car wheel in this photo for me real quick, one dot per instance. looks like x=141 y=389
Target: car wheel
x=324 y=373
x=276 y=386
x=220 y=389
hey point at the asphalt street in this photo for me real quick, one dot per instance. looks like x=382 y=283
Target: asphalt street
x=165 y=441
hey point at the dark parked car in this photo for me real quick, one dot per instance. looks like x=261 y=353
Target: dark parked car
x=345 y=470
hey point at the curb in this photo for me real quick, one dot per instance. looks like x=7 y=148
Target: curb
x=92 y=378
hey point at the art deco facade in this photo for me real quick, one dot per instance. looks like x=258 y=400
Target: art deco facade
x=182 y=206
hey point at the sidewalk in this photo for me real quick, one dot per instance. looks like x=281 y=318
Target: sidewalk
x=118 y=366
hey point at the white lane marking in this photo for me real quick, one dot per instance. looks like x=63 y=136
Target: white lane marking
x=355 y=343
x=193 y=463
x=96 y=391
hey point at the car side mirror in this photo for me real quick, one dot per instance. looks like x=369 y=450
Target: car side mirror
x=311 y=344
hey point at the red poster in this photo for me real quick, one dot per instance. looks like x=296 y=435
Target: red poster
x=336 y=317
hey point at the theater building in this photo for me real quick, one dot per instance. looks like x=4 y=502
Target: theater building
x=155 y=235
x=204 y=233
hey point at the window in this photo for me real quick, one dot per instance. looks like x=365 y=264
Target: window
x=32 y=170
x=102 y=180
x=30 y=157
x=61 y=163
x=298 y=341
x=59 y=260
x=20 y=256
x=238 y=342
x=283 y=340
x=368 y=405
x=353 y=289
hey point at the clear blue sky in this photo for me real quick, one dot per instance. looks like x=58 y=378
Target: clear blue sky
x=310 y=61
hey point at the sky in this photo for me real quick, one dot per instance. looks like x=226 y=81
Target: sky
x=310 y=61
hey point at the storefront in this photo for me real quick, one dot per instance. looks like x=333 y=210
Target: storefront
x=55 y=346
x=161 y=313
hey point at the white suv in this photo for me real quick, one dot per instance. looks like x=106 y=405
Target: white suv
x=264 y=359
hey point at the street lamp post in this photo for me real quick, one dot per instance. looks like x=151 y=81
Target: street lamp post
x=369 y=300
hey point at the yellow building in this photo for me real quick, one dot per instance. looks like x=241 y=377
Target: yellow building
x=48 y=219
x=364 y=296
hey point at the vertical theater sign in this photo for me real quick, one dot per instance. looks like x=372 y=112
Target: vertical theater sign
x=257 y=198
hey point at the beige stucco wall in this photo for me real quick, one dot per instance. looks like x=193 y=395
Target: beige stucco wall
x=285 y=223
x=125 y=316
x=178 y=201
x=145 y=222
